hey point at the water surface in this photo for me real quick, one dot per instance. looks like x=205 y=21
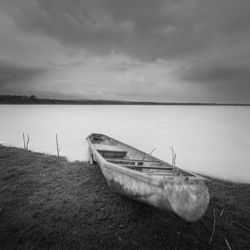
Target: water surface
x=212 y=140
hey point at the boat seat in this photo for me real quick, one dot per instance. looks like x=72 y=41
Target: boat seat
x=132 y=160
x=96 y=138
x=113 y=154
x=150 y=168
x=161 y=174
x=125 y=162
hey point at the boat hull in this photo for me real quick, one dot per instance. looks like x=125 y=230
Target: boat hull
x=186 y=197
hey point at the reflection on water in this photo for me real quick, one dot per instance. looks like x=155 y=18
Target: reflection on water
x=210 y=140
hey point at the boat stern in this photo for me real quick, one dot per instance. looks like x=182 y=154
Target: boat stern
x=188 y=199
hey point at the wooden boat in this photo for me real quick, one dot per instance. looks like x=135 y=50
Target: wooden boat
x=143 y=177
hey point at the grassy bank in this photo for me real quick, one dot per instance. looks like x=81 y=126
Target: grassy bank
x=47 y=202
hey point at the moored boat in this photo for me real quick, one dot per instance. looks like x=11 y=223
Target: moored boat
x=143 y=177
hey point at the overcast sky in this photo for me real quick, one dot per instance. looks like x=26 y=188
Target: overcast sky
x=150 y=50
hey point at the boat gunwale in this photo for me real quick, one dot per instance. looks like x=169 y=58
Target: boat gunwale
x=144 y=176
x=156 y=159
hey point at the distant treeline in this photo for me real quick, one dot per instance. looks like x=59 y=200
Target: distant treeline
x=19 y=99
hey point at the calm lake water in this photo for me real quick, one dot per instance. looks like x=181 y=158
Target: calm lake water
x=207 y=139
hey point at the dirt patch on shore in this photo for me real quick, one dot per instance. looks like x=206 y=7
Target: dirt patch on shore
x=50 y=203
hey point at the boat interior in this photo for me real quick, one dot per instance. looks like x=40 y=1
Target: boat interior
x=126 y=156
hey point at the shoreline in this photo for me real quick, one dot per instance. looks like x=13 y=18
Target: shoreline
x=31 y=100
x=47 y=202
x=133 y=104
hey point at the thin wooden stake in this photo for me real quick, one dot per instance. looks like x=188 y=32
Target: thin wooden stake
x=28 y=140
x=152 y=151
x=24 y=144
x=212 y=235
x=173 y=156
x=228 y=244
x=57 y=147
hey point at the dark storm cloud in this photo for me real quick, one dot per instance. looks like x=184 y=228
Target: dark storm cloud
x=206 y=42
x=225 y=82
x=10 y=72
x=225 y=73
x=148 y=29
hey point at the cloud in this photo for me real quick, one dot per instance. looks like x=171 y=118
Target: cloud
x=225 y=73
x=14 y=75
x=160 y=49
x=80 y=24
x=224 y=81
x=146 y=29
